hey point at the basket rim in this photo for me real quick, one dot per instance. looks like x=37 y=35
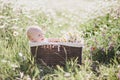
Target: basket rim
x=75 y=44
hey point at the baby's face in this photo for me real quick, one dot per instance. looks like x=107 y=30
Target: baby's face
x=35 y=35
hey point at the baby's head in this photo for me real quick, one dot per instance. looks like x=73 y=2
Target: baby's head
x=35 y=34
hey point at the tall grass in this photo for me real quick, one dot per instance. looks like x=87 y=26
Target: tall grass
x=101 y=54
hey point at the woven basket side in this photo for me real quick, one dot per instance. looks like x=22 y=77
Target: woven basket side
x=56 y=56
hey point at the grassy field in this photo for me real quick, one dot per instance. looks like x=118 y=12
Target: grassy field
x=101 y=52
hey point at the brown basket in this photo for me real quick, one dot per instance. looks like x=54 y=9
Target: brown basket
x=57 y=55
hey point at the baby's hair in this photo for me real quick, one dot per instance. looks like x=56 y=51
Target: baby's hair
x=33 y=27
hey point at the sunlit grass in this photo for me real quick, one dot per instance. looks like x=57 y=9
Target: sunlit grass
x=101 y=52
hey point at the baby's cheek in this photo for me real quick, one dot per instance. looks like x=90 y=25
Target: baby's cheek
x=29 y=37
x=32 y=38
x=36 y=38
x=39 y=39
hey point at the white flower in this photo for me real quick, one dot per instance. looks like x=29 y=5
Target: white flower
x=41 y=70
x=14 y=65
x=15 y=33
x=20 y=54
x=3 y=26
x=110 y=21
x=21 y=74
x=4 y=61
x=118 y=66
x=67 y=74
x=101 y=29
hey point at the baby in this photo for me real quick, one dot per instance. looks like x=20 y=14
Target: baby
x=35 y=34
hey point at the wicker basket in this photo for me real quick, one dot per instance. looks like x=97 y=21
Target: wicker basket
x=58 y=55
